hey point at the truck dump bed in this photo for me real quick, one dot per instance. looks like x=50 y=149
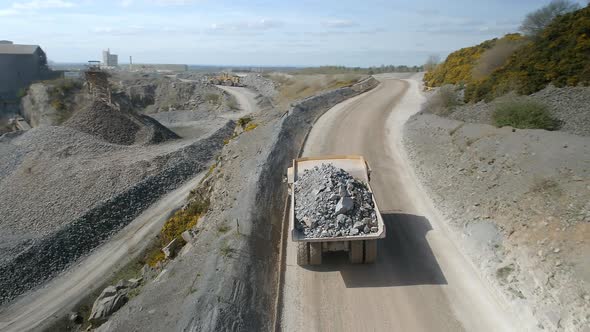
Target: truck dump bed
x=357 y=167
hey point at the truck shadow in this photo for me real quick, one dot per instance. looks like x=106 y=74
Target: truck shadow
x=404 y=257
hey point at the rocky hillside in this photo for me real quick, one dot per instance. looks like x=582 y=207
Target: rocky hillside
x=518 y=202
x=52 y=102
x=570 y=106
x=154 y=94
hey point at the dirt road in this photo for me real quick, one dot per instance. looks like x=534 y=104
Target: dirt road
x=421 y=281
x=246 y=99
x=40 y=308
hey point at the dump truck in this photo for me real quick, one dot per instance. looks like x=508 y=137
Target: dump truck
x=225 y=79
x=361 y=248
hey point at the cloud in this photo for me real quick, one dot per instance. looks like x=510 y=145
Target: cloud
x=42 y=4
x=125 y=3
x=339 y=24
x=428 y=12
x=35 y=5
x=449 y=26
x=128 y=3
x=172 y=2
x=258 y=25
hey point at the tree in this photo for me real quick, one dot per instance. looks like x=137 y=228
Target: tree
x=431 y=62
x=536 y=21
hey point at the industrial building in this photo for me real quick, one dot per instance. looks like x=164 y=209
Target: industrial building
x=109 y=60
x=20 y=65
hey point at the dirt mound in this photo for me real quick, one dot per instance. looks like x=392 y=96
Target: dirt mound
x=119 y=127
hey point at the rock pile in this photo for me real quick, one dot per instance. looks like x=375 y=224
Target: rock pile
x=331 y=203
x=119 y=126
x=112 y=299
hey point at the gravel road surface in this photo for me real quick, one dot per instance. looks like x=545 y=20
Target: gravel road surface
x=421 y=281
x=246 y=100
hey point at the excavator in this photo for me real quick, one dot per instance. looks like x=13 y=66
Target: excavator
x=225 y=79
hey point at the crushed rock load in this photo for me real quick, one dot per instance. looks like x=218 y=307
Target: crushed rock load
x=119 y=126
x=331 y=203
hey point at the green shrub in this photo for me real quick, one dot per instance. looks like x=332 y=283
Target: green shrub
x=242 y=122
x=444 y=101
x=213 y=98
x=21 y=93
x=524 y=114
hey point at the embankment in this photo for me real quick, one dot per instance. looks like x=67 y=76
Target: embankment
x=48 y=255
x=228 y=277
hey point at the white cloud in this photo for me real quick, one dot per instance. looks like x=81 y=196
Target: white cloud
x=34 y=5
x=172 y=2
x=262 y=24
x=42 y=4
x=339 y=24
x=8 y=12
x=126 y=3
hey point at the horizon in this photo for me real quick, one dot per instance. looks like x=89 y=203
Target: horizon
x=260 y=32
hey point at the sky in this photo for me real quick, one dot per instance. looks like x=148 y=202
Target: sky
x=259 y=32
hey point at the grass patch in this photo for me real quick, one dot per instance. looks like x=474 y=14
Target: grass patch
x=213 y=98
x=250 y=126
x=223 y=229
x=244 y=121
x=549 y=186
x=227 y=251
x=523 y=113
x=181 y=221
x=295 y=87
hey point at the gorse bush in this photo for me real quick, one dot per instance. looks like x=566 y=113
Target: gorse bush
x=459 y=66
x=183 y=220
x=523 y=113
x=242 y=122
x=560 y=55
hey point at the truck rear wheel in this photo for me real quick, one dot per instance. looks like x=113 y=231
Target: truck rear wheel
x=356 y=252
x=370 y=251
x=302 y=253
x=315 y=253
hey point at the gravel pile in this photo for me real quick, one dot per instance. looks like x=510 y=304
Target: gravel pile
x=570 y=105
x=119 y=127
x=64 y=192
x=331 y=203
x=261 y=84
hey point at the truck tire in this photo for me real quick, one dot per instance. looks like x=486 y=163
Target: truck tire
x=315 y=253
x=356 y=252
x=302 y=253
x=370 y=251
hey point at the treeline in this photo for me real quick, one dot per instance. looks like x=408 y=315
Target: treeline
x=557 y=53
x=330 y=70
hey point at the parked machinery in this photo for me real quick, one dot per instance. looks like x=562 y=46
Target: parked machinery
x=225 y=79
